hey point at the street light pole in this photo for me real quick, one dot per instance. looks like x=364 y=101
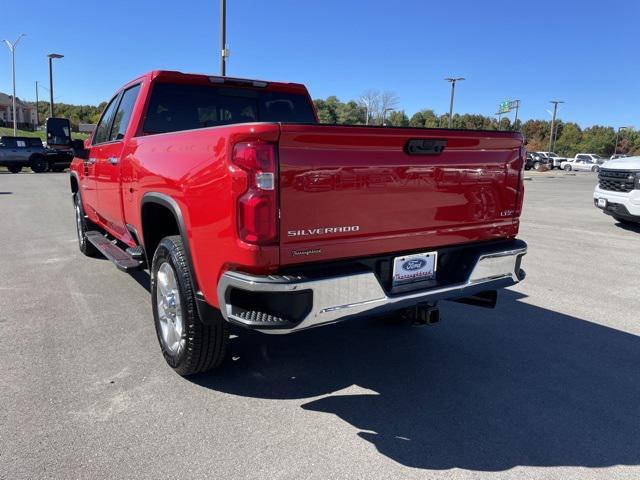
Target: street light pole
x=12 y=49
x=51 y=57
x=615 y=149
x=553 y=122
x=384 y=112
x=37 y=114
x=223 y=37
x=452 y=81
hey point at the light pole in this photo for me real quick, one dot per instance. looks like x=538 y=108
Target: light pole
x=12 y=49
x=37 y=114
x=51 y=57
x=615 y=149
x=224 y=53
x=452 y=81
x=384 y=112
x=515 y=120
x=553 y=122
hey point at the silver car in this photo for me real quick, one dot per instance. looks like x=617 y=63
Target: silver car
x=582 y=163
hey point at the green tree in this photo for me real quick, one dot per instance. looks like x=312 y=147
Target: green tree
x=398 y=118
x=351 y=113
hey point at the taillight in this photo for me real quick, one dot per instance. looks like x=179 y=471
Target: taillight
x=257 y=206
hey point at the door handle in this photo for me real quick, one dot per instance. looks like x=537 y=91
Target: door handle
x=113 y=160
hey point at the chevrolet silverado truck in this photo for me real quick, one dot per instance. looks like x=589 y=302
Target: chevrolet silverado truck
x=247 y=211
x=618 y=190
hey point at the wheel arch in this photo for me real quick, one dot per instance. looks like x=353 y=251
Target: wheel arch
x=160 y=216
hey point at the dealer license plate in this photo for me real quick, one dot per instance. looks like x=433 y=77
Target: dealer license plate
x=414 y=268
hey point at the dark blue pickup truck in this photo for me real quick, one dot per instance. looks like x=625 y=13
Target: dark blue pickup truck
x=19 y=152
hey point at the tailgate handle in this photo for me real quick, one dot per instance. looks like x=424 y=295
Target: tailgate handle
x=421 y=146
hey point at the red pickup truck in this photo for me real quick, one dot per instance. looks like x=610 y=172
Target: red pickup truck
x=247 y=211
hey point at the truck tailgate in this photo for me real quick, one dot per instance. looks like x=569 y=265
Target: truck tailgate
x=355 y=191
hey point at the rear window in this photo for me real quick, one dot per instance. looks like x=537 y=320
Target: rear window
x=175 y=107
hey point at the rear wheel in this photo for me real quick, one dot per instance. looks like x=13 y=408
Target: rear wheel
x=83 y=225
x=15 y=168
x=189 y=346
x=39 y=164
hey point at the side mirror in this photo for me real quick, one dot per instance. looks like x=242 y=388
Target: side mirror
x=79 y=150
x=58 y=133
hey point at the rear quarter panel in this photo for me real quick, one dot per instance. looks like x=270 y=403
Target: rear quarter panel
x=193 y=168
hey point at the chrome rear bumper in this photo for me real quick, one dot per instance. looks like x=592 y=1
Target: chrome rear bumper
x=338 y=297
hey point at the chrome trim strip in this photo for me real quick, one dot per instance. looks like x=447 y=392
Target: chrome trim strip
x=347 y=295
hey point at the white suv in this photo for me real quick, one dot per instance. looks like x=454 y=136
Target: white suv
x=618 y=189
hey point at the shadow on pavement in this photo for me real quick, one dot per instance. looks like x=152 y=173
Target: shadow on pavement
x=484 y=390
x=630 y=227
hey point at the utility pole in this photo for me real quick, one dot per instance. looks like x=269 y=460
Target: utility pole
x=553 y=122
x=452 y=81
x=224 y=53
x=615 y=149
x=37 y=114
x=51 y=57
x=12 y=49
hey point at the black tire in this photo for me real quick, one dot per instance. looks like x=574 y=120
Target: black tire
x=15 y=168
x=536 y=165
x=595 y=169
x=567 y=168
x=83 y=225
x=201 y=347
x=39 y=164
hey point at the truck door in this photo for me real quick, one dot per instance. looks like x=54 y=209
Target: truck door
x=99 y=141
x=108 y=165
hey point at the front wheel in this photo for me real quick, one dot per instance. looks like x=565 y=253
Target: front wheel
x=15 y=168
x=39 y=164
x=536 y=166
x=567 y=168
x=595 y=169
x=188 y=345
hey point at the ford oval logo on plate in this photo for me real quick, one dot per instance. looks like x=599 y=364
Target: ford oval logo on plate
x=414 y=264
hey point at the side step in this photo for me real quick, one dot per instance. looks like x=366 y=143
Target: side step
x=122 y=259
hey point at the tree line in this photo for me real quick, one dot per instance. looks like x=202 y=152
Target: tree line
x=372 y=108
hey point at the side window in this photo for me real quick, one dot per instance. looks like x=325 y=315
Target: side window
x=21 y=144
x=104 y=125
x=9 y=142
x=123 y=115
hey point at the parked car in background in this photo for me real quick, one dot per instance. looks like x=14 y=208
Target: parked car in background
x=19 y=152
x=618 y=155
x=535 y=161
x=553 y=159
x=583 y=162
x=618 y=190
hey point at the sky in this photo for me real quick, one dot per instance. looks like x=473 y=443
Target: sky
x=582 y=52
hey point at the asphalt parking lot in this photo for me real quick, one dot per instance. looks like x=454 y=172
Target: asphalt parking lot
x=545 y=386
